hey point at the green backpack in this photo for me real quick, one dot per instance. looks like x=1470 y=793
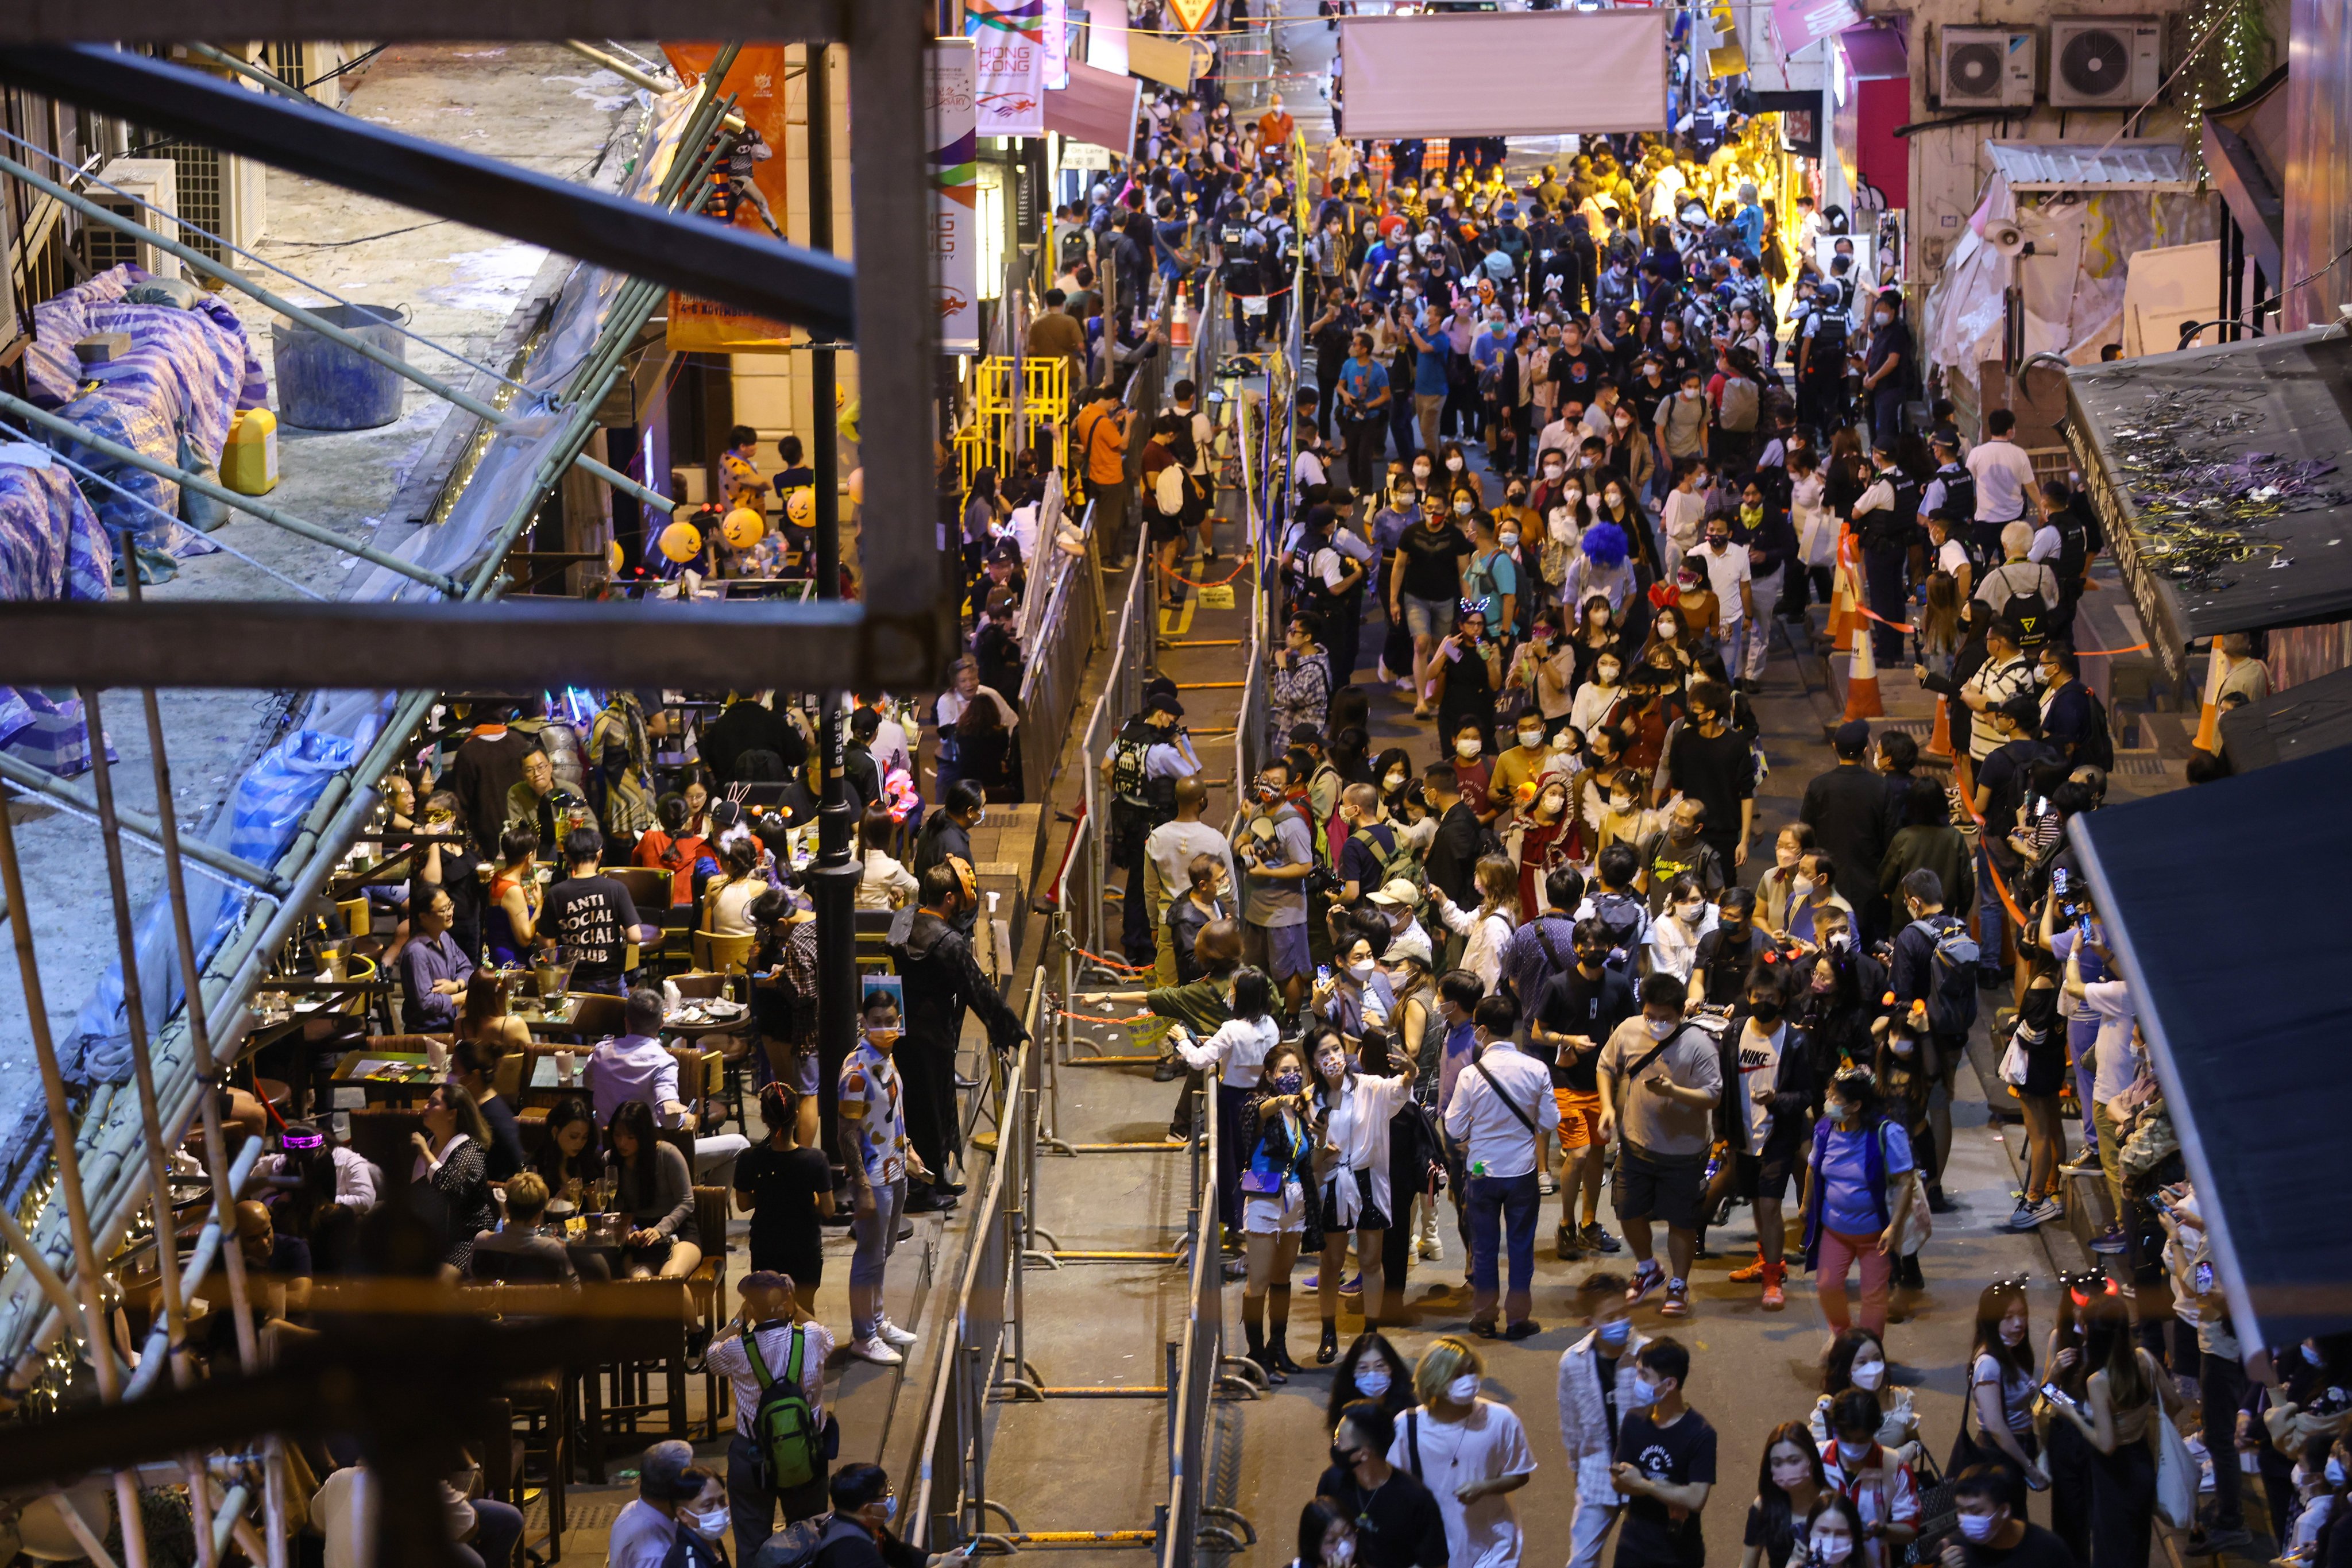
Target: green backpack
x=784 y=1428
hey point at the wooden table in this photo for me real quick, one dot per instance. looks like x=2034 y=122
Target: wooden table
x=533 y=1012
x=735 y=1025
x=404 y=1090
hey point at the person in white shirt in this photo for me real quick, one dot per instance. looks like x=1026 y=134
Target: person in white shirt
x=1587 y=1411
x=358 y=1182
x=1502 y=1111
x=2004 y=476
x=1352 y=1170
x=771 y=1325
x=2019 y=576
x=1408 y=938
x=345 y=1509
x=1948 y=556
x=884 y=883
x=888 y=746
x=638 y=1066
x=1471 y=1453
x=643 y=1531
x=1490 y=926
x=1683 y=510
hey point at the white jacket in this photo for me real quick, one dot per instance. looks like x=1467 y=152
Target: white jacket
x=1583 y=1419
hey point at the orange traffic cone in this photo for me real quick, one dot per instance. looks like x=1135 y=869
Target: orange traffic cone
x=1939 y=739
x=2209 y=714
x=1862 y=681
x=1842 y=594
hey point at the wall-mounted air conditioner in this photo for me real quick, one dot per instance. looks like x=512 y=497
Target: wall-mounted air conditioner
x=1986 y=67
x=147 y=193
x=2105 y=62
x=223 y=194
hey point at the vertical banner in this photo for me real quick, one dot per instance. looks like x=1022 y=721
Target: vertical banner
x=748 y=191
x=1009 y=59
x=1057 y=45
x=955 y=169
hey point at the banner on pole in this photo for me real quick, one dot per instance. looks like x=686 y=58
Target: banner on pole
x=955 y=194
x=749 y=191
x=1009 y=64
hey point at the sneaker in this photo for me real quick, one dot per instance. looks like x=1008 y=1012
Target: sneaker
x=2108 y=1242
x=1524 y=1328
x=1352 y=1285
x=1565 y=1245
x=1546 y=1185
x=898 y=1336
x=1647 y=1280
x=2021 y=1217
x=2086 y=1164
x=1749 y=1273
x=1598 y=1240
x=2046 y=1211
x=877 y=1350
x=1776 y=1290
x=1168 y=1070
x=1677 y=1302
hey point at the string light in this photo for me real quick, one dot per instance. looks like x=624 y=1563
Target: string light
x=2228 y=67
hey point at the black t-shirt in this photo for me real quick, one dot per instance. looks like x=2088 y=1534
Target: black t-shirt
x=1367 y=847
x=1431 y=562
x=1676 y=1454
x=1576 y=374
x=1726 y=963
x=1397 y=1524
x=1757 y=1534
x=1715 y=771
x=593 y=916
x=2008 y=771
x=785 y=1184
x=2038 y=1549
x=1604 y=1367
x=504 y=1157
x=1572 y=1004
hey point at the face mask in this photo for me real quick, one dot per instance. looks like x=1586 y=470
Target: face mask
x=1764 y=1010
x=1453 y=465
x=1463 y=1389
x=1719 y=542
x=1462 y=507
x=1606 y=673
x=2311 y=1355
x=1803 y=886
x=1613 y=499
x=2335 y=1472
x=1421 y=471
x=710 y=1525
x=1838 y=1548
x=1691 y=913
x=1869 y=1375
x=1979 y=1526
x=1342 y=1553
x=1615 y=1332
x=1468 y=750
x=1361 y=971
x=1553 y=470
x=1882 y=317
x=1839 y=941
x=890 y=1507
x=1331 y=1068
x=1371 y=1378
x=1288 y=1083
x=1638 y=1393
x=1659 y=1028
x=1394 y=782
x=1509 y=537
x=1852 y=1454
x=1531 y=739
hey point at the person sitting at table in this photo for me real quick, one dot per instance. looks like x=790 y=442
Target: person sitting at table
x=475 y=1064
x=307 y=1181
x=656 y=1193
x=433 y=969
x=727 y=899
x=637 y=1066
x=277 y=1267
x=783 y=997
x=887 y=883
x=569 y=1159
x=513 y=922
x=487 y=1017
x=669 y=847
x=520 y=1252
x=451 y=1158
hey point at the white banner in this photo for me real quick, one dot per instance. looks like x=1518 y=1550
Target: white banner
x=1058 y=44
x=955 y=153
x=1424 y=76
x=1009 y=39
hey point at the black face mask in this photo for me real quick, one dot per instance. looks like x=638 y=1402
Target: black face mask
x=1343 y=1457
x=1764 y=1011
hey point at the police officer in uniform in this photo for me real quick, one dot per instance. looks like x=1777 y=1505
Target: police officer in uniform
x=1241 y=249
x=1146 y=758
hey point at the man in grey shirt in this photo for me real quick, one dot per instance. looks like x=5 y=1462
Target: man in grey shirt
x=1660 y=1079
x=1276 y=851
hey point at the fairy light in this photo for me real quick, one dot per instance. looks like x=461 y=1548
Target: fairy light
x=2228 y=67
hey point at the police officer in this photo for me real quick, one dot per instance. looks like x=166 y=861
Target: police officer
x=1241 y=249
x=1146 y=758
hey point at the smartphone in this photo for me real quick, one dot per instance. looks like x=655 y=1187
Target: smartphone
x=2057 y=1396
x=1322 y=975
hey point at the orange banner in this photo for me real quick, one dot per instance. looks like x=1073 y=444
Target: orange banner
x=749 y=191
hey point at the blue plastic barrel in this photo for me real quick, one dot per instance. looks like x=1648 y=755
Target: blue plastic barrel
x=326 y=385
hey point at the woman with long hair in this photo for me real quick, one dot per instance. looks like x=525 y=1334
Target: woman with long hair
x=655 y=1190
x=1238 y=1050
x=2068 y=1456
x=1998 y=1426
x=788 y=1189
x=1351 y=1167
x=726 y=898
x=1545 y=833
x=1327 y=1535
x=451 y=1154
x=1788 y=1483
x=2039 y=1032
x=785 y=1005
x=1392 y=774
x=1835 y=1012
x=1857 y=1359
x=1278 y=1140
x=1904 y=1083
x=1488 y=927
x=2126 y=1394
x=1833 y=1534
x=1370 y=1368
x=484 y=1018
x=512 y=925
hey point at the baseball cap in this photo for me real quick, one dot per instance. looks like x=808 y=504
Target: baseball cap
x=1399 y=893
x=1306 y=735
x=1851 y=738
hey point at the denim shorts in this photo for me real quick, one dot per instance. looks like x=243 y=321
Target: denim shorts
x=1427 y=618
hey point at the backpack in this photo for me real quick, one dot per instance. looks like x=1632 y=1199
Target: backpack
x=1168 y=490
x=1952 y=973
x=2098 y=748
x=801 y=1543
x=1398 y=859
x=1622 y=916
x=1736 y=411
x=2029 y=611
x=784 y=1431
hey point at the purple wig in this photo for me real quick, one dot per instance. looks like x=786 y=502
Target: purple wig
x=1604 y=544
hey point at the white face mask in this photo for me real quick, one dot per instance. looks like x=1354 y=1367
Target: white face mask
x=1453 y=464
x=1469 y=750
x=1342 y=1553
x=1508 y=539
x=1838 y=1548
x=1659 y=1028
x=1691 y=913
x=1869 y=1375
x=1362 y=971
x=1881 y=318
x=1901 y=1045
x=1531 y=739
x=1462 y=507
x=1803 y=886
x=1394 y=782
x=1371 y=1378
x=1421 y=471
x=711 y=1525
x=1606 y=673
x=1463 y=1389
x=1979 y=1526
x=1638 y=1393
x=1851 y=1453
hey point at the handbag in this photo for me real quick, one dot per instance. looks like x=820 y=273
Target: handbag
x=1939 y=1510
x=2013 y=1065
x=2175 y=1476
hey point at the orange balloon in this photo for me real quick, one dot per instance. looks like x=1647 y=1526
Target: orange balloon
x=743 y=527
x=681 y=542
x=800 y=507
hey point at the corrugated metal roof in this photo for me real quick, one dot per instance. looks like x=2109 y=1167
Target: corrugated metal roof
x=2145 y=165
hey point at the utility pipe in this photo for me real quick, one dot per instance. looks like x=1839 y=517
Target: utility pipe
x=254 y=73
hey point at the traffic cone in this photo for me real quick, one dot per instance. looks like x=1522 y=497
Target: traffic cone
x=1180 y=323
x=1862 y=679
x=1939 y=739
x=2209 y=715
x=1842 y=595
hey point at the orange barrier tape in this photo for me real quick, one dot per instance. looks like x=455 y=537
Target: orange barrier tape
x=1239 y=567
x=1091 y=1018
x=1964 y=770
x=1112 y=962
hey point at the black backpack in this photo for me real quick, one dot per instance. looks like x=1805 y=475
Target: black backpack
x=2098 y=748
x=801 y=1543
x=2074 y=549
x=1952 y=975
x=2030 y=613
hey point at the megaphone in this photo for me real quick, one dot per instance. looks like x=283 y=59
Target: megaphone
x=2005 y=238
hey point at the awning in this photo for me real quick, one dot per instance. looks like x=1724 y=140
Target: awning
x=2300 y=722
x=1098 y=106
x=2274 y=406
x=2092 y=165
x=2243 y=1017
x=2244 y=145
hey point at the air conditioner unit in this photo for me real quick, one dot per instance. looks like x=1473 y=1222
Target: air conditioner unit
x=2105 y=62
x=1986 y=67
x=146 y=192
x=222 y=194
x=309 y=66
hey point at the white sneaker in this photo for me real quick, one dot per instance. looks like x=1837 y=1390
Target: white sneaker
x=876 y=1349
x=895 y=1334
x=1433 y=1250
